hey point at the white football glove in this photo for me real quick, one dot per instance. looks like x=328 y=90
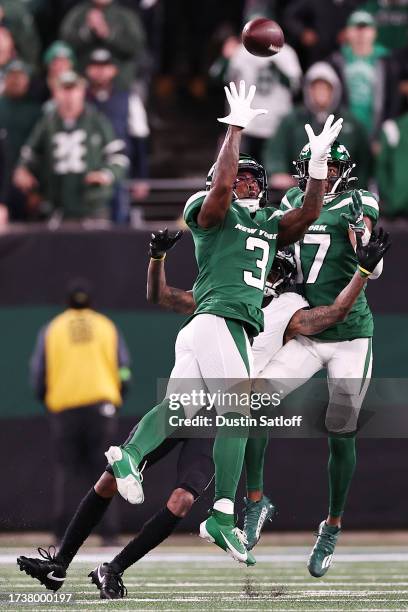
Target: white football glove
x=241 y=113
x=320 y=146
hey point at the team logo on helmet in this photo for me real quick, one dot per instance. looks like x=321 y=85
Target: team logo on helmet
x=339 y=156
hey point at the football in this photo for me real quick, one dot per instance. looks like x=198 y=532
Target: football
x=263 y=37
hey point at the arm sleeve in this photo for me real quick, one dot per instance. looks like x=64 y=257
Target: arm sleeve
x=38 y=366
x=127 y=35
x=370 y=206
x=115 y=160
x=297 y=17
x=31 y=152
x=362 y=155
x=192 y=208
x=389 y=134
x=25 y=34
x=139 y=167
x=74 y=29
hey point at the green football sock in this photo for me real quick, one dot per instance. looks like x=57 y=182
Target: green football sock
x=342 y=462
x=254 y=462
x=228 y=454
x=152 y=430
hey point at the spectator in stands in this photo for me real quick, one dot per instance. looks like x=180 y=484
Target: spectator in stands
x=127 y=114
x=369 y=80
x=104 y=23
x=72 y=156
x=18 y=19
x=58 y=58
x=7 y=53
x=261 y=8
x=391 y=17
x=314 y=27
x=18 y=114
x=277 y=79
x=392 y=175
x=80 y=369
x=322 y=95
x=400 y=59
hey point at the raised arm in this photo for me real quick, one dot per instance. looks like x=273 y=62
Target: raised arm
x=218 y=199
x=158 y=292
x=295 y=223
x=316 y=320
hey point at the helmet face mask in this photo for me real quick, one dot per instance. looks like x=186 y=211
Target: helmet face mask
x=282 y=276
x=339 y=157
x=247 y=163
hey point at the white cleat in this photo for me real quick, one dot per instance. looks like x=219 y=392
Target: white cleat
x=127 y=474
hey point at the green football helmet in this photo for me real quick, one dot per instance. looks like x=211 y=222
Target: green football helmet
x=246 y=162
x=339 y=156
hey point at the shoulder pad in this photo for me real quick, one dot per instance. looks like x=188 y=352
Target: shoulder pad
x=193 y=205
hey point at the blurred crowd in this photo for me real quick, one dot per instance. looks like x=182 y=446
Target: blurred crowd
x=77 y=78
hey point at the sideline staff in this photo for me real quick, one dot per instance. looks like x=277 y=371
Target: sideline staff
x=80 y=370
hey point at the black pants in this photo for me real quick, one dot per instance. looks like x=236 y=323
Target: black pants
x=80 y=436
x=195 y=467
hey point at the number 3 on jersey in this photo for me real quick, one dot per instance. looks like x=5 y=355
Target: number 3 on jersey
x=249 y=278
x=323 y=243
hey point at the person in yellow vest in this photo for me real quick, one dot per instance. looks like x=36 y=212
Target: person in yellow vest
x=80 y=369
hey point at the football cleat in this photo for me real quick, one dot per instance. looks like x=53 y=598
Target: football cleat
x=322 y=554
x=108 y=582
x=47 y=570
x=128 y=477
x=226 y=536
x=255 y=516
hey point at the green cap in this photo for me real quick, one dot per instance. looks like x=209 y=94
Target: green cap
x=338 y=152
x=58 y=49
x=362 y=19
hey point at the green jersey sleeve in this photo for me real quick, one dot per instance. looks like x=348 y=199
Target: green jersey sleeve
x=370 y=206
x=31 y=152
x=292 y=199
x=192 y=208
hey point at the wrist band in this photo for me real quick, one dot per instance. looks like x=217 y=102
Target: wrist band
x=158 y=258
x=363 y=272
x=318 y=169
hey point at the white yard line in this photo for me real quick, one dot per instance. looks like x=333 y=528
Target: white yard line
x=163 y=557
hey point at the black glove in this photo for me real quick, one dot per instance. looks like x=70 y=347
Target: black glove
x=162 y=242
x=370 y=255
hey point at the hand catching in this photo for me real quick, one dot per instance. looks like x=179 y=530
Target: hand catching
x=162 y=242
x=320 y=145
x=241 y=113
x=370 y=255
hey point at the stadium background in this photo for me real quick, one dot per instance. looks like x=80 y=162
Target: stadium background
x=116 y=261
x=36 y=263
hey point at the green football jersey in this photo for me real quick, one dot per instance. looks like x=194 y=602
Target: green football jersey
x=328 y=262
x=234 y=259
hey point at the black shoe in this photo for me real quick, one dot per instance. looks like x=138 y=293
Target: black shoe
x=49 y=572
x=108 y=582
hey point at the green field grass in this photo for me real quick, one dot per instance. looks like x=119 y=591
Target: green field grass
x=201 y=578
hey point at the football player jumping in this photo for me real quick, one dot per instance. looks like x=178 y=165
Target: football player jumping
x=327 y=260
x=286 y=316
x=235 y=243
